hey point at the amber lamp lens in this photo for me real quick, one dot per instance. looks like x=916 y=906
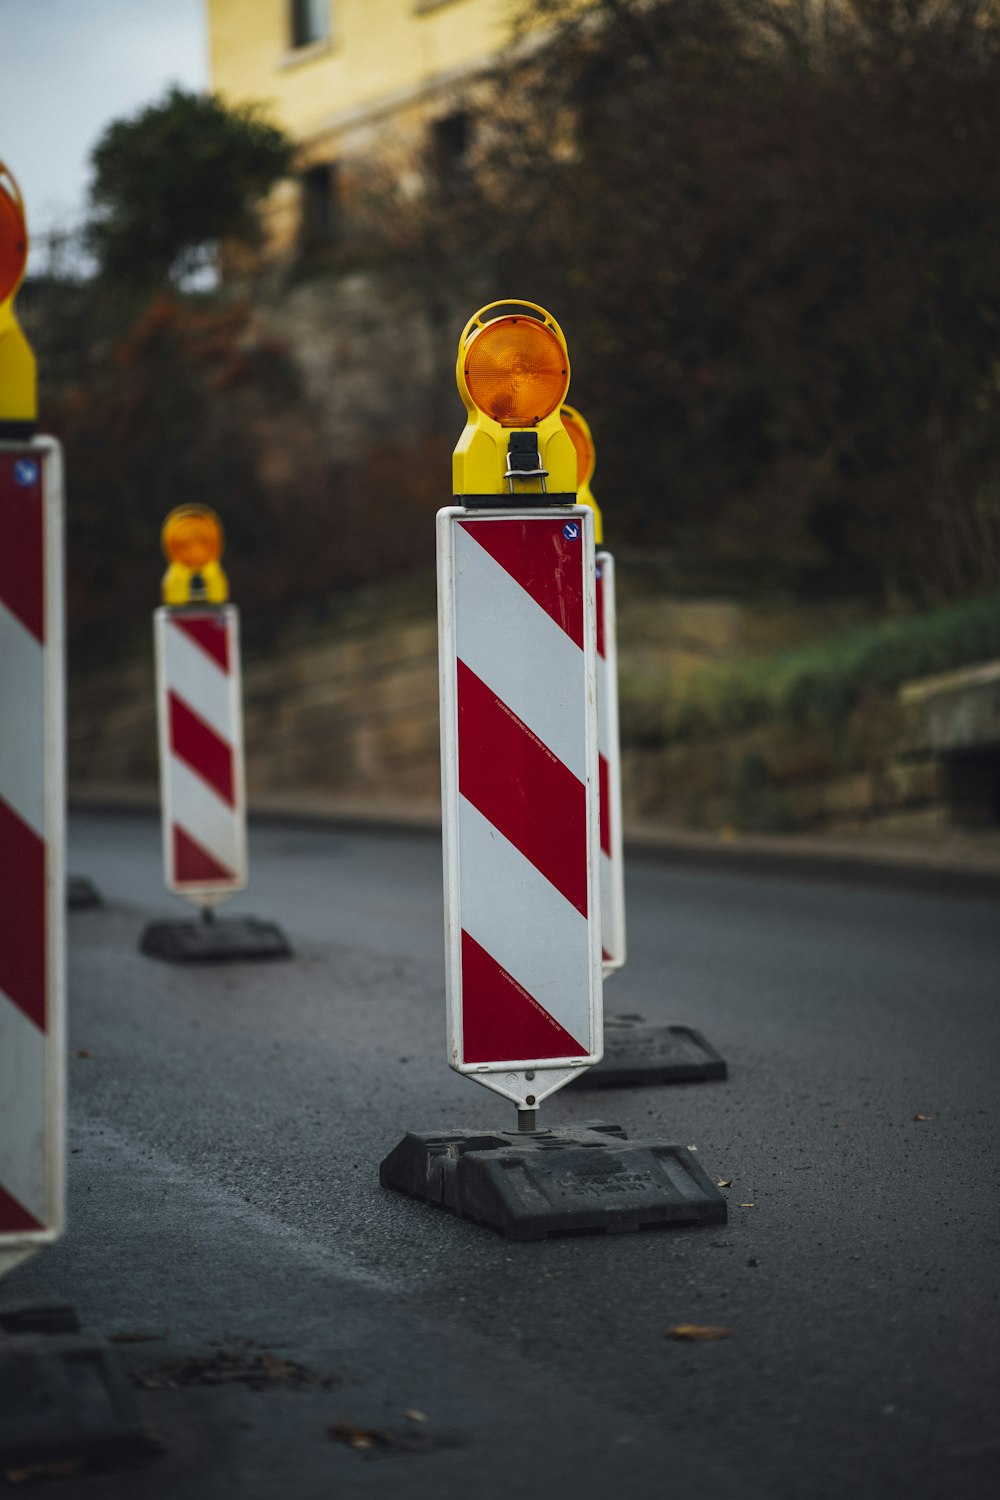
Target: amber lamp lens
x=192 y=537
x=584 y=449
x=516 y=371
x=13 y=244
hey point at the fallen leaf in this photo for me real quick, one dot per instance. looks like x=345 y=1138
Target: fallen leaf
x=83 y=1052
x=699 y=1332
x=724 y=1182
x=923 y=1117
x=361 y=1438
x=372 y=1439
x=412 y=1415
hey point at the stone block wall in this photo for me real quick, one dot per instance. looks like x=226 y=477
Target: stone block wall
x=344 y=716
x=346 y=713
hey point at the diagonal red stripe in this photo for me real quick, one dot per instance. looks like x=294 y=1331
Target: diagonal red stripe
x=500 y=1020
x=200 y=747
x=605 y=779
x=13 y=1215
x=547 y=564
x=22 y=567
x=193 y=864
x=522 y=788
x=600 y=609
x=22 y=916
x=207 y=631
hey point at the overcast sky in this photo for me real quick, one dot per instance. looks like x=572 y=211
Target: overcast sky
x=70 y=67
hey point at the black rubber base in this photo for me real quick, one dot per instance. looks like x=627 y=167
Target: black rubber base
x=219 y=941
x=81 y=894
x=43 y=1315
x=63 y=1397
x=547 y=1182
x=637 y=1051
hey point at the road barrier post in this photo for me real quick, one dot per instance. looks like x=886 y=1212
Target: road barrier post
x=60 y=1397
x=636 y=1051
x=521 y=815
x=32 y=850
x=200 y=718
x=32 y=793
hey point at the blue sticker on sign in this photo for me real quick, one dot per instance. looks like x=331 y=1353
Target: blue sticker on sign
x=571 y=531
x=25 y=471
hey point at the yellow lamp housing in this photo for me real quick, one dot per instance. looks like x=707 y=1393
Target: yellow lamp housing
x=586 y=459
x=513 y=374
x=18 y=373
x=193 y=540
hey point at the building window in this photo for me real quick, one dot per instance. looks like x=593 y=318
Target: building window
x=451 y=137
x=310 y=22
x=320 y=206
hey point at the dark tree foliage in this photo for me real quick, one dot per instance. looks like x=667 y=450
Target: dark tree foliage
x=191 y=404
x=771 y=230
x=174 y=180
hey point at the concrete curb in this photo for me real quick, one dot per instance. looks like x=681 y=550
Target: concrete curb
x=963 y=865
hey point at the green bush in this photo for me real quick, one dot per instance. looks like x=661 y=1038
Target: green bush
x=815 y=685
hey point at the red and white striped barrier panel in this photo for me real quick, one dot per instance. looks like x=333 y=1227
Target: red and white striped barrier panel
x=609 y=749
x=520 y=796
x=32 y=844
x=202 y=796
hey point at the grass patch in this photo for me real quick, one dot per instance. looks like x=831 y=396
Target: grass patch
x=815 y=685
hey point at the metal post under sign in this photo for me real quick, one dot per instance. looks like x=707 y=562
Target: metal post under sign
x=200 y=718
x=521 y=815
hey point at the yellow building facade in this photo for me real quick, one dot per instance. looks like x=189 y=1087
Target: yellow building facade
x=344 y=78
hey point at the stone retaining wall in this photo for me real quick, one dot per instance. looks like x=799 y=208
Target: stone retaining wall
x=347 y=711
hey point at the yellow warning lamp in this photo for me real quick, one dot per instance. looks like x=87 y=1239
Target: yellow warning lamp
x=513 y=374
x=18 y=378
x=586 y=458
x=193 y=540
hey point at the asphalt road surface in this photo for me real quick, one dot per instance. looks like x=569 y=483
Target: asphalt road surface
x=227 y=1124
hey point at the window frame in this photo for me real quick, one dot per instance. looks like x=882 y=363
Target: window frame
x=301 y=18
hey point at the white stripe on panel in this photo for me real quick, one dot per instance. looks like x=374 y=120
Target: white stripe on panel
x=22 y=1108
x=524 y=923
x=503 y=635
x=211 y=822
x=198 y=679
x=22 y=720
